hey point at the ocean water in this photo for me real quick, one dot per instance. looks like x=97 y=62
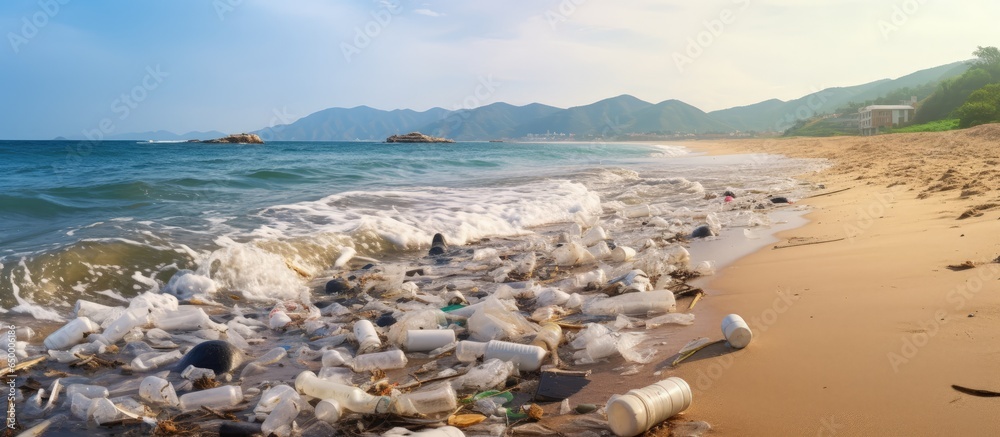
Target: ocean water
x=107 y=221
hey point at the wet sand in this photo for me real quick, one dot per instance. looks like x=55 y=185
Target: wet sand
x=866 y=335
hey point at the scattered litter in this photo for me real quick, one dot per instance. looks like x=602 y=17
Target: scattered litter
x=963 y=266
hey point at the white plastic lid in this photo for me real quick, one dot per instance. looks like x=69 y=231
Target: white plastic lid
x=627 y=416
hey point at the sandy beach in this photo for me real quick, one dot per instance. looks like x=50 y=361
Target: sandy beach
x=866 y=334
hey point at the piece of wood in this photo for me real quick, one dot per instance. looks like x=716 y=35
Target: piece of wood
x=976 y=392
x=691 y=352
x=808 y=244
x=827 y=194
x=694 y=301
x=22 y=365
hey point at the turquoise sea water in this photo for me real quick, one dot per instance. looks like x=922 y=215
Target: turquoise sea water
x=109 y=220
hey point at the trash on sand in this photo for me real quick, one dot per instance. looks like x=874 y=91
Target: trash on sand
x=640 y=409
x=693 y=347
x=736 y=331
x=558 y=385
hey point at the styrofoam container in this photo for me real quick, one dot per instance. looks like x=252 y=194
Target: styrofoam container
x=423 y=340
x=736 y=331
x=641 y=409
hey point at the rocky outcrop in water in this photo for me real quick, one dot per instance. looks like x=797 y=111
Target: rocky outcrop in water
x=416 y=137
x=234 y=139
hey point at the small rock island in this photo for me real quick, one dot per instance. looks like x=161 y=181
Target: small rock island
x=234 y=139
x=416 y=137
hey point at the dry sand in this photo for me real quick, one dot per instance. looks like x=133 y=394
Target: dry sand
x=866 y=335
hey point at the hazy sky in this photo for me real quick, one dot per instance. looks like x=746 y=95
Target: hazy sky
x=67 y=66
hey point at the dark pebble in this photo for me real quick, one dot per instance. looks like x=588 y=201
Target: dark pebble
x=368 y=266
x=730 y=194
x=337 y=286
x=702 y=232
x=779 y=200
x=586 y=408
x=385 y=320
x=220 y=356
x=239 y=429
x=415 y=272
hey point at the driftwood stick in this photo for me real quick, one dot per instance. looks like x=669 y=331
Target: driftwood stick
x=827 y=194
x=22 y=365
x=691 y=352
x=808 y=244
x=976 y=392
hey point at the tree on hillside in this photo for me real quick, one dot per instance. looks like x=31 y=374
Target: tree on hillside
x=986 y=56
x=983 y=106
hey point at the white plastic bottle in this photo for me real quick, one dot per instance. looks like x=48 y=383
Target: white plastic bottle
x=71 y=333
x=367 y=337
x=633 y=304
x=279 y=422
x=528 y=358
x=90 y=391
x=468 y=351
x=548 y=337
x=351 y=398
x=158 y=391
x=736 y=331
x=424 y=340
x=152 y=360
x=394 y=359
x=329 y=411
x=225 y=396
x=335 y=358
x=641 y=409
x=122 y=325
x=433 y=401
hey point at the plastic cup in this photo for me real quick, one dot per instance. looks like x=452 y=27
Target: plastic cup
x=423 y=340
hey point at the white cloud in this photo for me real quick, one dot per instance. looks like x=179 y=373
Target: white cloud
x=427 y=12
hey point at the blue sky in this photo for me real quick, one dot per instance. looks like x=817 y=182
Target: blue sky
x=235 y=65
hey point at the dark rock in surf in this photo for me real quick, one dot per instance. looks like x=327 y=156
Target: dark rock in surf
x=233 y=139
x=337 y=286
x=702 y=231
x=416 y=137
x=779 y=200
x=220 y=356
x=729 y=193
x=438 y=245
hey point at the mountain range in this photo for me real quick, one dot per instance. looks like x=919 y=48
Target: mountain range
x=608 y=118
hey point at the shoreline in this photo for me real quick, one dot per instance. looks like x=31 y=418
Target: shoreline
x=866 y=335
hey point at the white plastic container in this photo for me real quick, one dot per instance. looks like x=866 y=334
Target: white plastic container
x=184 y=319
x=424 y=340
x=103 y=411
x=335 y=358
x=622 y=254
x=468 y=351
x=594 y=235
x=329 y=411
x=633 y=304
x=394 y=359
x=192 y=373
x=367 y=337
x=90 y=391
x=71 y=333
x=641 y=409
x=152 y=360
x=444 y=431
x=548 y=337
x=122 y=325
x=279 y=422
x=272 y=356
x=736 y=331
x=433 y=401
x=528 y=358
x=225 y=396
x=638 y=211
x=158 y=391
x=96 y=312
x=278 y=319
x=351 y=398
x=79 y=405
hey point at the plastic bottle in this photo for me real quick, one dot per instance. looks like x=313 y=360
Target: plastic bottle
x=90 y=391
x=96 y=312
x=548 y=337
x=424 y=340
x=225 y=396
x=192 y=373
x=329 y=411
x=71 y=333
x=279 y=422
x=278 y=319
x=273 y=396
x=433 y=401
x=367 y=337
x=736 y=331
x=158 y=391
x=152 y=360
x=103 y=411
x=335 y=358
x=638 y=211
x=272 y=356
x=528 y=358
x=122 y=325
x=79 y=405
x=183 y=320
x=394 y=359
x=622 y=254
x=639 y=410
x=351 y=398
x=468 y=351
x=660 y=301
